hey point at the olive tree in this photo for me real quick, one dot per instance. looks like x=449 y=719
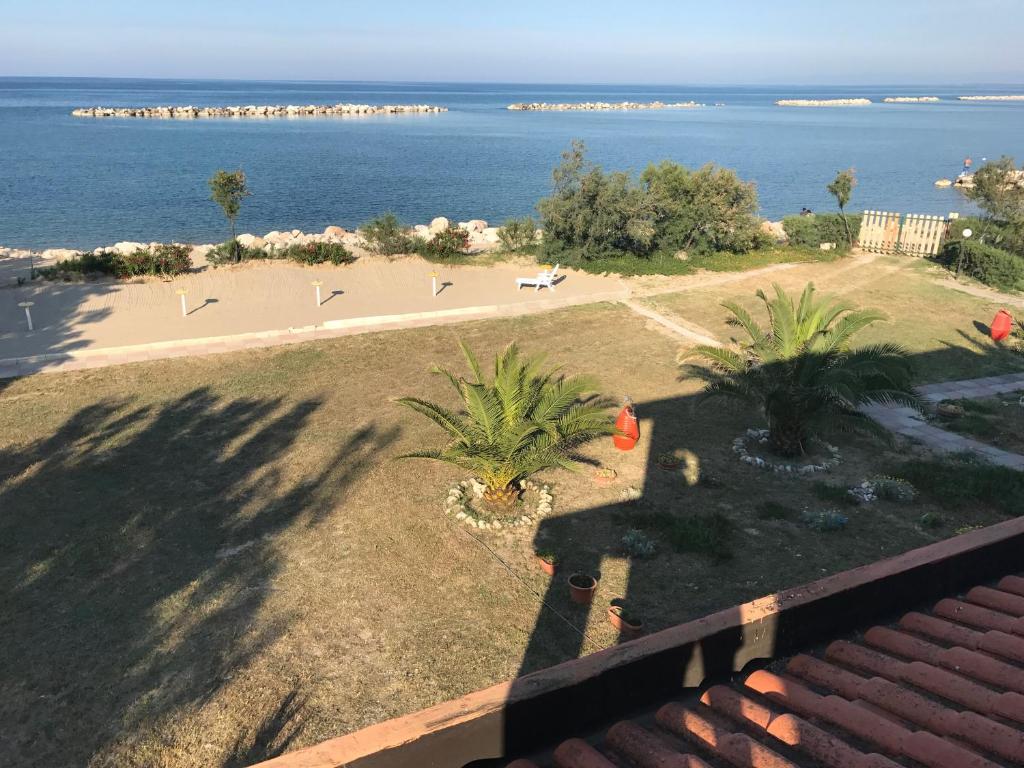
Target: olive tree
x=841 y=189
x=228 y=190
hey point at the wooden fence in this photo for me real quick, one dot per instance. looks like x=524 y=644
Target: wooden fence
x=918 y=235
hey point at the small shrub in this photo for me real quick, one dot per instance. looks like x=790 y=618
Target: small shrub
x=233 y=252
x=171 y=260
x=636 y=543
x=986 y=263
x=447 y=244
x=319 y=253
x=772 y=510
x=811 y=231
x=834 y=494
x=386 y=236
x=81 y=264
x=826 y=520
x=707 y=534
x=517 y=234
x=931 y=520
x=894 y=489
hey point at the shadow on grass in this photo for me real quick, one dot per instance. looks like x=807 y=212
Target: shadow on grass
x=141 y=543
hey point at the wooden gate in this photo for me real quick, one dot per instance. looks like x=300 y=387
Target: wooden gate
x=879 y=231
x=918 y=235
x=922 y=235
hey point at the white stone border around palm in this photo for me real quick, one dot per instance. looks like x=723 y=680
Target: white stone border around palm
x=739 y=447
x=458 y=505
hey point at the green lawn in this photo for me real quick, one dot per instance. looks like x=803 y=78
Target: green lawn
x=209 y=560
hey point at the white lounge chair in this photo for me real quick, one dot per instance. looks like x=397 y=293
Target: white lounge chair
x=544 y=279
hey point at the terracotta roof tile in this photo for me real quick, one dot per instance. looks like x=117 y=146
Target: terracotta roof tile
x=941 y=688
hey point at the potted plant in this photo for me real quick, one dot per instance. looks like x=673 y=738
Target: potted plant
x=624 y=619
x=548 y=561
x=669 y=460
x=604 y=477
x=581 y=588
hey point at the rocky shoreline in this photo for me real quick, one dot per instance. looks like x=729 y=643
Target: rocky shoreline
x=822 y=102
x=543 y=106
x=252 y=110
x=482 y=237
x=910 y=99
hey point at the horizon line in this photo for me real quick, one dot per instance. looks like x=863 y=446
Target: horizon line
x=511 y=82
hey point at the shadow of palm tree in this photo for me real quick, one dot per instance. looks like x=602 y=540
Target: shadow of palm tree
x=142 y=543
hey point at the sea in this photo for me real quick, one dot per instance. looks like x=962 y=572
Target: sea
x=86 y=182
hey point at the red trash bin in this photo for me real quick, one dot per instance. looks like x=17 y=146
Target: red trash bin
x=1001 y=325
x=628 y=428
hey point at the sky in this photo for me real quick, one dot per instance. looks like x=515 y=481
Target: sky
x=524 y=41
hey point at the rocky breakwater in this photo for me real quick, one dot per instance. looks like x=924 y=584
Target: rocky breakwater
x=1012 y=97
x=910 y=99
x=822 y=102
x=291 y=110
x=540 y=106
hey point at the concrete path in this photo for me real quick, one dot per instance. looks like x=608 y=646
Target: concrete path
x=910 y=423
x=86 y=325
x=673 y=326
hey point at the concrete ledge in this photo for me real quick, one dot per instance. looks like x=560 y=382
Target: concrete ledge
x=522 y=715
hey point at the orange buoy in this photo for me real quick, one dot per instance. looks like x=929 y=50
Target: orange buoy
x=1001 y=325
x=628 y=430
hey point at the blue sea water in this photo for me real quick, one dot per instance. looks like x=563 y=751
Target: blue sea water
x=85 y=182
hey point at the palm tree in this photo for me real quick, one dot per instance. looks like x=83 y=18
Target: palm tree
x=801 y=370
x=527 y=419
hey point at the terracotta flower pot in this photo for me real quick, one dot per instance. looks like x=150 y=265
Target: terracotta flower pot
x=582 y=588
x=548 y=567
x=625 y=628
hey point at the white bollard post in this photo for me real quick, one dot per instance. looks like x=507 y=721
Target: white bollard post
x=433 y=284
x=27 y=305
x=316 y=284
x=184 y=307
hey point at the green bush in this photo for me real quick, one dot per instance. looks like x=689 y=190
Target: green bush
x=703 y=211
x=318 y=253
x=233 y=251
x=811 y=231
x=447 y=244
x=989 y=232
x=170 y=260
x=992 y=266
x=386 y=236
x=163 y=260
x=592 y=215
x=83 y=264
x=517 y=234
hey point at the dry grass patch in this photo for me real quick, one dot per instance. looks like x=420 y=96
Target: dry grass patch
x=945 y=329
x=210 y=560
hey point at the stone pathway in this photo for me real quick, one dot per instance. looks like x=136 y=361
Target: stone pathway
x=672 y=325
x=909 y=423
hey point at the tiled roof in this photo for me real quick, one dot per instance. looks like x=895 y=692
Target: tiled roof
x=943 y=689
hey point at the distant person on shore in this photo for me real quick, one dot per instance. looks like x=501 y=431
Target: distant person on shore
x=967 y=166
x=806 y=212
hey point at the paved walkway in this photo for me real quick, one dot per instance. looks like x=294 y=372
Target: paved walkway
x=910 y=423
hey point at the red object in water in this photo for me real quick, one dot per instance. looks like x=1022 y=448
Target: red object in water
x=628 y=428
x=1001 y=325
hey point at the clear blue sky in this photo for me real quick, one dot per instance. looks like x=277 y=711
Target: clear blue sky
x=639 y=41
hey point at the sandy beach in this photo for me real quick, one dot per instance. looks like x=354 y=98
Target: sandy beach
x=254 y=298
